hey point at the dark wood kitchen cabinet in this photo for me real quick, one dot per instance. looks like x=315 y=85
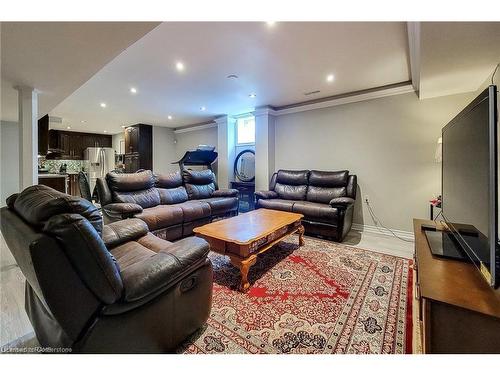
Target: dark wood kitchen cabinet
x=138 y=147
x=73 y=144
x=43 y=135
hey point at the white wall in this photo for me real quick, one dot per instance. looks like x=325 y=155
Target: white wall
x=117 y=138
x=389 y=143
x=190 y=140
x=164 y=150
x=9 y=163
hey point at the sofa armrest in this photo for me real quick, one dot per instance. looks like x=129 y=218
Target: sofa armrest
x=266 y=194
x=164 y=269
x=225 y=193
x=342 y=202
x=121 y=210
x=122 y=231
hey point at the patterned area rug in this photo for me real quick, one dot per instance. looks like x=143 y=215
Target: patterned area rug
x=320 y=298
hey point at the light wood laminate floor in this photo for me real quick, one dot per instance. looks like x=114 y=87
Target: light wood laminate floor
x=15 y=326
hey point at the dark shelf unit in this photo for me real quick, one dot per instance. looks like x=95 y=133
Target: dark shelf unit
x=43 y=135
x=138 y=147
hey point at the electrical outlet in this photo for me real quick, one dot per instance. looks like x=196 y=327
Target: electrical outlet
x=367 y=199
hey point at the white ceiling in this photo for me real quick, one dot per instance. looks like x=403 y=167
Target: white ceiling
x=456 y=57
x=278 y=63
x=57 y=58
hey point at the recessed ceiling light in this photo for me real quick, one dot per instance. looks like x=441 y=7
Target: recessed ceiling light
x=83 y=121
x=105 y=131
x=103 y=105
x=123 y=126
x=252 y=95
x=169 y=117
x=68 y=127
x=133 y=90
x=271 y=23
x=203 y=108
x=330 y=78
x=179 y=66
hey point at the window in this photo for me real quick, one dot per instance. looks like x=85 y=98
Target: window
x=245 y=130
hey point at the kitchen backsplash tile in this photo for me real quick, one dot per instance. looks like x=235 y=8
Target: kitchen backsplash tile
x=72 y=166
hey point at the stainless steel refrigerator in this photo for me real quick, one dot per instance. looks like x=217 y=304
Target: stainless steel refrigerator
x=98 y=162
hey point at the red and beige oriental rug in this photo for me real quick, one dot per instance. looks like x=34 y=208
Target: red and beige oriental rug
x=323 y=297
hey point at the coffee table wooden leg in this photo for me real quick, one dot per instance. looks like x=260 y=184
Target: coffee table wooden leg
x=301 y=231
x=244 y=266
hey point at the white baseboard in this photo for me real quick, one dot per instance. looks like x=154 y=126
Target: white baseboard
x=378 y=230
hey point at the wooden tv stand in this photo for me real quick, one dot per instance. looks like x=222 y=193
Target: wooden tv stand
x=458 y=311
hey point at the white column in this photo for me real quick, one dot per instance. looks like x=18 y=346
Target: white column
x=28 y=136
x=226 y=149
x=264 y=147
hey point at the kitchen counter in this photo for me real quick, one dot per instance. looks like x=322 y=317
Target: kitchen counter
x=56 y=181
x=52 y=175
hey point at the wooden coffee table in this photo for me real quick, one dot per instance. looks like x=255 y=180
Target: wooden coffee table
x=245 y=236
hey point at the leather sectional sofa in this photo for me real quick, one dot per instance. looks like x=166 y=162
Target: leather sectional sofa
x=171 y=205
x=326 y=199
x=104 y=289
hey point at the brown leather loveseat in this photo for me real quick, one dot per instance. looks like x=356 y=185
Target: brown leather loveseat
x=326 y=199
x=104 y=289
x=171 y=205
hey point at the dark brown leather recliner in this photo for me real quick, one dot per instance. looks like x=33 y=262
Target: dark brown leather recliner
x=326 y=199
x=172 y=205
x=107 y=289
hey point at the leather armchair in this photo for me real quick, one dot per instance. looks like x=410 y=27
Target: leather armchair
x=104 y=289
x=326 y=199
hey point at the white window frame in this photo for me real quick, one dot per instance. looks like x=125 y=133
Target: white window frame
x=237 y=128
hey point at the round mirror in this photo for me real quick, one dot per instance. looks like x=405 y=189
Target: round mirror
x=244 y=166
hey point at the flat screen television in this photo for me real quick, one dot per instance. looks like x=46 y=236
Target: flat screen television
x=470 y=183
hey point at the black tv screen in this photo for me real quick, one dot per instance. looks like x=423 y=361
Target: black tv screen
x=470 y=182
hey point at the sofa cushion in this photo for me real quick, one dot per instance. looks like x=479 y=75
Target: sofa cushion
x=199 y=191
x=324 y=186
x=170 y=188
x=37 y=204
x=130 y=181
x=222 y=205
x=316 y=211
x=328 y=179
x=324 y=194
x=277 y=204
x=122 y=231
x=288 y=177
x=293 y=192
x=203 y=177
x=162 y=216
x=291 y=185
x=169 y=180
x=173 y=195
x=130 y=253
x=199 y=184
x=153 y=242
x=144 y=198
x=194 y=210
